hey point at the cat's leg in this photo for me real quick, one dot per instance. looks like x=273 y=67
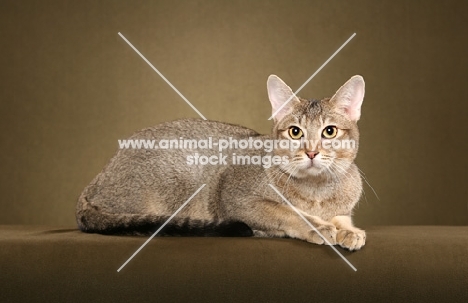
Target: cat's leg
x=271 y=219
x=325 y=230
x=348 y=236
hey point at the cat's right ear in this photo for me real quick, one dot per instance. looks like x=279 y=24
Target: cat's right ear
x=281 y=97
x=349 y=97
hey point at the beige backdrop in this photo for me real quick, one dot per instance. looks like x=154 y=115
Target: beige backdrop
x=71 y=87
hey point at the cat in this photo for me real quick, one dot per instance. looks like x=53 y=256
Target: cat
x=139 y=189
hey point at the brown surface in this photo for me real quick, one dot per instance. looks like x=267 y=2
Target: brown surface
x=399 y=264
x=71 y=87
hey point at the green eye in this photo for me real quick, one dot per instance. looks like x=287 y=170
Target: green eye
x=329 y=132
x=295 y=132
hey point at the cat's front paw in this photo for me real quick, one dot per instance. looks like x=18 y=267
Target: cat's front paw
x=327 y=231
x=351 y=240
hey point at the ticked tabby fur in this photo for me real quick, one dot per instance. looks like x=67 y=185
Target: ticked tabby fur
x=139 y=189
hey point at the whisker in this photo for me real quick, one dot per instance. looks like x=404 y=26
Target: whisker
x=365 y=179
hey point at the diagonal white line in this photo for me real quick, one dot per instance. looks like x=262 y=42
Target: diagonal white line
x=313 y=75
x=313 y=227
x=162 y=226
x=162 y=76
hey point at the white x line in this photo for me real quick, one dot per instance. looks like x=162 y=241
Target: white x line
x=313 y=227
x=203 y=117
x=313 y=75
x=162 y=76
x=161 y=227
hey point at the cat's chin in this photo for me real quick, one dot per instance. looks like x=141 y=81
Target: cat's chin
x=314 y=171
x=309 y=170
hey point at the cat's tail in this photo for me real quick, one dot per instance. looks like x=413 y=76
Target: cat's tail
x=92 y=219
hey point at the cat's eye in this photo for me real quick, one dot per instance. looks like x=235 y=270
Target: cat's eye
x=329 y=132
x=295 y=132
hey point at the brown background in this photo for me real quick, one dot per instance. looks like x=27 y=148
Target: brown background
x=71 y=87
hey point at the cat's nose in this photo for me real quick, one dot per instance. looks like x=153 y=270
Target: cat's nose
x=312 y=154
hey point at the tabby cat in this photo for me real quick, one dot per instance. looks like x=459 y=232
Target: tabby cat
x=139 y=189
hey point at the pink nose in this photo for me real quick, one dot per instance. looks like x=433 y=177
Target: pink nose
x=312 y=154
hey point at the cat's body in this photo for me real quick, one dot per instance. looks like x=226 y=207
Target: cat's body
x=141 y=188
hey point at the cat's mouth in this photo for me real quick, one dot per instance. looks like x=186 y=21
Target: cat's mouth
x=314 y=163
x=314 y=166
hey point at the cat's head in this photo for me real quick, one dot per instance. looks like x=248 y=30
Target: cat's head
x=326 y=130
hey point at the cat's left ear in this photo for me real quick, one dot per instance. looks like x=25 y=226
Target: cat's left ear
x=281 y=97
x=349 y=97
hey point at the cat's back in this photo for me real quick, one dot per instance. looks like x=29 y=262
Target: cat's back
x=136 y=177
x=194 y=129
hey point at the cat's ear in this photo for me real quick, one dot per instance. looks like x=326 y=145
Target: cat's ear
x=280 y=94
x=349 y=97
